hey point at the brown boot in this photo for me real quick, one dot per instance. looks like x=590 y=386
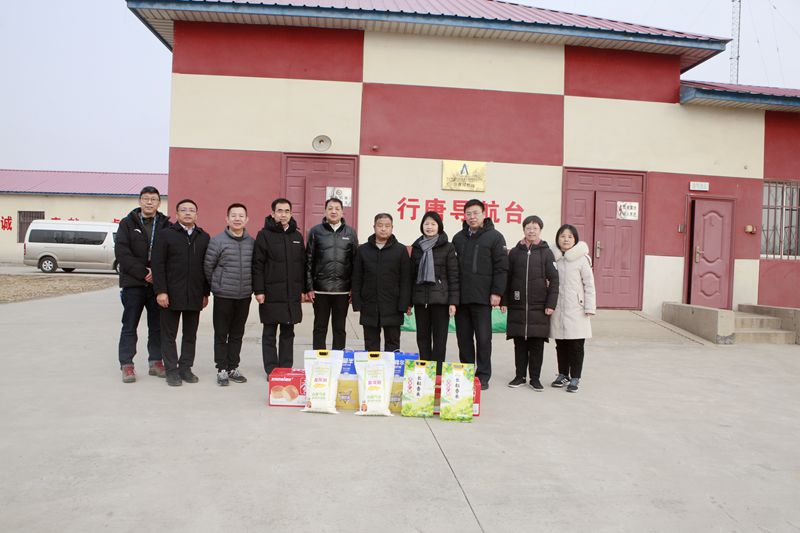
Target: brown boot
x=128 y=374
x=157 y=369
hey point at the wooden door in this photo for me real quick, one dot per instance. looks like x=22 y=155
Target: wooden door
x=617 y=249
x=580 y=213
x=711 y=253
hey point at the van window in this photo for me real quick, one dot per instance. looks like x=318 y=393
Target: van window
x=68 y=237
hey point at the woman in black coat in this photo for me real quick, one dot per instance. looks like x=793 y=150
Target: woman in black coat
x=530 y=298
x=435 y=292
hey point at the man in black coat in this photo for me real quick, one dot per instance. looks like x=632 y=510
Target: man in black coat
x=382 y=286
x=181 y=289
x=279 y=262
x=133 y=249
x=330 y=253
x=483 y=268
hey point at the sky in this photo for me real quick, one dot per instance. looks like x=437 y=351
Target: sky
x=86 y=86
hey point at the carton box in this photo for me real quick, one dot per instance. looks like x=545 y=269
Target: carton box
x=287 y=387
x=476 y=393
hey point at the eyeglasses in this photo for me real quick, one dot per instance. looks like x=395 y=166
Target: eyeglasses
x=187 y=210
x=149 y=200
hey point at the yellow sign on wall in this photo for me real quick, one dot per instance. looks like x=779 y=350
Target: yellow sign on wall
x=463 y=175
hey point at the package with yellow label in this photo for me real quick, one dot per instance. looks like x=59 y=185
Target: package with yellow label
x=375 y=372
x=419 y=384
x=457 y=391
x=322 y=379
x=347 y=395
x=400 y=358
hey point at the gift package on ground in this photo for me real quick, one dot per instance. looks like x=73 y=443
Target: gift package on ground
x=287 y=387
x=419 y=385
x=458 y=389
x=347 y=395
x=322 y=369
x=400 y=359
x=375 y=371
x=476 y=392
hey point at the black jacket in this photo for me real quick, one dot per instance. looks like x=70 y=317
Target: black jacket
x=178 y=267
x=279 y=266
x=131 y=246
x=482 y=263
x=382 y=283
x=329 y=257
x=532 y=286
x=445 y=265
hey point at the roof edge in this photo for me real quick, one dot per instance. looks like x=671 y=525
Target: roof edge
x=689 y=94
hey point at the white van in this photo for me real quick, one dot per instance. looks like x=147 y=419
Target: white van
x=67 y=244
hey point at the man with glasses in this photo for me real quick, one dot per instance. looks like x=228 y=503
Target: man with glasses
x=330 y=252
x=483 y=269
x=133 y=250
x=181 y=288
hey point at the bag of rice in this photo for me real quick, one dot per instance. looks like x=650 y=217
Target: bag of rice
x=375 y=376
x=396 y=400
x=347 y=395
x=457 y=394
x=418 y=388
x=322 y=379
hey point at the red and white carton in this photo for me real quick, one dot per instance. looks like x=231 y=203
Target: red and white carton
x=287 y=387
x=476 y=397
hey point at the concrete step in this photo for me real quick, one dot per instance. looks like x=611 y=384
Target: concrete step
x=763 y=336
x=754 y=321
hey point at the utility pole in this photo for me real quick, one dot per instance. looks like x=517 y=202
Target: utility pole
x=736 y=33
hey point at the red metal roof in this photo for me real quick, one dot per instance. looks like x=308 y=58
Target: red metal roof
x=477 y=9
x=75 y=182
x=749 y=89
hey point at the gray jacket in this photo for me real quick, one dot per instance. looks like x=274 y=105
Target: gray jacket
x=228 y=265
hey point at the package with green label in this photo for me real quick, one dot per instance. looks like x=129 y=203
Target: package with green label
x=375 y=376
x=419 y=383
x=457 y=394
x=322 y=379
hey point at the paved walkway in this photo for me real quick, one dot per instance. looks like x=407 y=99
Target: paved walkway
x=667 y=433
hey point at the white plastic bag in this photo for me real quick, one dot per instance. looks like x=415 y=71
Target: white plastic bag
x=322 y=379
x=375 y=377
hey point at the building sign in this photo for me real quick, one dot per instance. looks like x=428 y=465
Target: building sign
x=6 y=223
x=463 y=176
x=345 y=194
x=698 y=186
x=412 y=208
x=627 y=210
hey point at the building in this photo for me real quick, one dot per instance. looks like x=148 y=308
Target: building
x=27 y=195
x=685 y=191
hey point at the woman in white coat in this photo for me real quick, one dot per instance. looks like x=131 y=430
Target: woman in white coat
x=570 y=325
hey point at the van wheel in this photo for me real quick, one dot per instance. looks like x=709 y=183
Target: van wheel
x=68 y=270
x=48 y=264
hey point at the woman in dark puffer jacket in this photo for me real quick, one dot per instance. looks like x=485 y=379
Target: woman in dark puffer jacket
x=435 y=291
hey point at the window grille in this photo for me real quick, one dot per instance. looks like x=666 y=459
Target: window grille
x=780 y=220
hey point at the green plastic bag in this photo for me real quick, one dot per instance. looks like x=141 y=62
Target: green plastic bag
x=498 y=322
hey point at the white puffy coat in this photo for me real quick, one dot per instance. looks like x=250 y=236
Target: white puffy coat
x=576 y=294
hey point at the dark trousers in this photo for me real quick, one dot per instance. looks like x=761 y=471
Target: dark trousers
x=432 y=324
x=169 y=332
x=331 y=307
x=528 y=355
x=474 y=327
x=230 y=316
x=134 y=301
x=282 y=355
x=372 y=338
x=570 y=357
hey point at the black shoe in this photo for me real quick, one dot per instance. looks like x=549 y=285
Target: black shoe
x=484 y=385
x=174 y=378
x=516 y=382
x=187 y=376
x=560 y=381
x=235 y=375
x=222 y=378
x=537 y=385
x=573 y=385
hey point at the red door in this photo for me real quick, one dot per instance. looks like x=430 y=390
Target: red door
x=711 y=257
x=617 y=249
x=580 y=213
x=307 y=180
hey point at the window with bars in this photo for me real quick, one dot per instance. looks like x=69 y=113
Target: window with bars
x=780 y=220
x=25 y=218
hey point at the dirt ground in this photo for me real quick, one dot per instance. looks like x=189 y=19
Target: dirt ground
x=15 y=288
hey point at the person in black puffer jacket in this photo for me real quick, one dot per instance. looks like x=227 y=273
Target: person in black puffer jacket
x=530 y=299
x=133 y=248
x=382 y=286
x=330 y=252
x=482 y=269
x=278 y=281
x=435 y=292
x=181 y=288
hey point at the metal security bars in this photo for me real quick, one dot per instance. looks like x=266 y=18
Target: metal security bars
x=780 y=220
x=24 y=219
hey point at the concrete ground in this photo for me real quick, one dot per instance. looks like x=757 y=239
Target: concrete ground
x=667 y=433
